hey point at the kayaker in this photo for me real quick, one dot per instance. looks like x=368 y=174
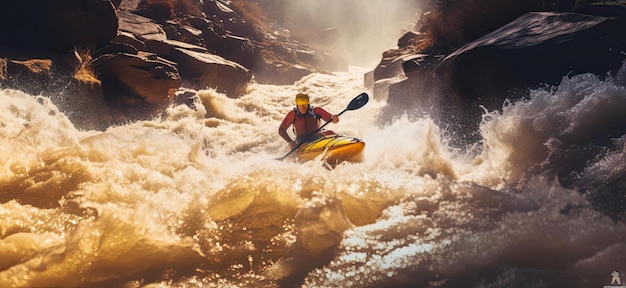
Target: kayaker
x=305 y=120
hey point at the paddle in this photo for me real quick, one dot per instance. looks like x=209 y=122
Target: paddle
x=356 y=103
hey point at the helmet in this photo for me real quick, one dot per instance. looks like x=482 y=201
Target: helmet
x=302 y=99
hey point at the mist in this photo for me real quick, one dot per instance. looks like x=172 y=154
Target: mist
x=363 y=30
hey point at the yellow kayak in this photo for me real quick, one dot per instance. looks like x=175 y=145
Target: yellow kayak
x=333 y=148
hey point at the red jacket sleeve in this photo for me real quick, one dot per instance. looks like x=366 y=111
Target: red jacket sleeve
x=282 y=129
x=326 y=116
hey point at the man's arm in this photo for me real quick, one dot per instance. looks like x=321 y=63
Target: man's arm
x=326 y=116
x=282 y=129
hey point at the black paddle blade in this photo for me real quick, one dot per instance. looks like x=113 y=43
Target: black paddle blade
x=358 y=101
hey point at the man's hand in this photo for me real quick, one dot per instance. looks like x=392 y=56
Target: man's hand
x=335 y=118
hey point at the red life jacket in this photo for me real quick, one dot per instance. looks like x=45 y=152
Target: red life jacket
x=305 y=124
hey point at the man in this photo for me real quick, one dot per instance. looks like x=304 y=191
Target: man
x=305 y=120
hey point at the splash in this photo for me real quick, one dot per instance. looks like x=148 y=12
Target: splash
x=195 y=198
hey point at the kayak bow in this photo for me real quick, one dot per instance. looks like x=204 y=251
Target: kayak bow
x=333 y=148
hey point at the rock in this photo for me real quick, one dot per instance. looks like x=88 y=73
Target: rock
x=534 y=50
x=114 y=48
x=201 y=70
x=198 y=68
x=233 y=48
x=184 y=33
x=390 y=67
x=130 y=79
x=129 y=39
x=140 y=61
x=141 y=28
x=410 y=38
x=420 y=65
x=616 y=8
x=226 y=18
x=116 y=3
x=272 y=59
x=198 y=23
x=80 y=23
x=165 y=47
x=283 y=73
x=408 y=93
x=214 y=8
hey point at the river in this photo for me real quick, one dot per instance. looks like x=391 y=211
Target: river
x=196 y=198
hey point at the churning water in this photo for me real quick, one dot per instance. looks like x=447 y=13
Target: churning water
x=196 y=199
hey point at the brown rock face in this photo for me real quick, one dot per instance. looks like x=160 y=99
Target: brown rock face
x=204 y=70
x=534 y=50
x=141 y=28
x=133 y=79
x=198 y=68
x=141 y=59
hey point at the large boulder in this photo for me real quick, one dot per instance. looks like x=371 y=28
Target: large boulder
x=139 y=60
x=535 y=50
x=129 y=79
x=198 y=69
x=201 y=70
x=229 y=21
x=407 y=87
x=141 y=28
x=272 y=58
x=183 y=32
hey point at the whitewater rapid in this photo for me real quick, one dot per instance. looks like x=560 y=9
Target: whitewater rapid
x=195 y=198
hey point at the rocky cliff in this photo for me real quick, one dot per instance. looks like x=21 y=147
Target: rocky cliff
x=453 y=80
x=109 y=61
x=439 y=74
x=113 y=61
